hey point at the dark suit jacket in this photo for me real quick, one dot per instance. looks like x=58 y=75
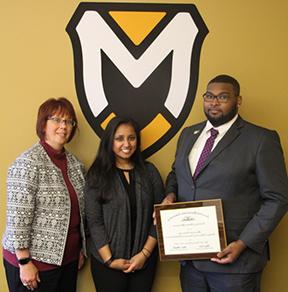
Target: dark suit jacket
x=247 y=171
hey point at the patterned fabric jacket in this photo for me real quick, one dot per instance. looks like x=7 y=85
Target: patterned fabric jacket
x=38 y=205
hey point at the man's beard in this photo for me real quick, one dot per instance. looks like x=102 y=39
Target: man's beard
x=218 y=121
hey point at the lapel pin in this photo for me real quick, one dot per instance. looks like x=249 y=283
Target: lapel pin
x=196 y=132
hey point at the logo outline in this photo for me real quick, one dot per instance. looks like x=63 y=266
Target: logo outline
x=137 y=52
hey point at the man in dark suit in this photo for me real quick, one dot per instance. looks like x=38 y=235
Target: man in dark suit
x=246 y=169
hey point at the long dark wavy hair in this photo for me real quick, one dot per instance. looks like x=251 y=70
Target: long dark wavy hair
x=101 y=174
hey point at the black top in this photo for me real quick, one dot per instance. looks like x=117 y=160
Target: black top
x=130 y=189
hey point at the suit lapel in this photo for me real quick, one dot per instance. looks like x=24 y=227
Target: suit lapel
x=228 y=138
x=193 y=136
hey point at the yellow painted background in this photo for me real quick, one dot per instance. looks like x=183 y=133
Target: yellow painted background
x=247 y=39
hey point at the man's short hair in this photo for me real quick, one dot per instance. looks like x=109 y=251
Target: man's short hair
x=227 y=79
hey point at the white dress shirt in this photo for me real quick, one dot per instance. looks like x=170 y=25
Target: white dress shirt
x=200 y=142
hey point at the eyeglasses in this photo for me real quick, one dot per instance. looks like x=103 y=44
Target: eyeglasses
x=58 y=121
x=221 y=98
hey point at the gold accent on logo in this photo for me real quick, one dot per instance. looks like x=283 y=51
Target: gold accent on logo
x=107 y=120
x=154 y=131
x=137 y=24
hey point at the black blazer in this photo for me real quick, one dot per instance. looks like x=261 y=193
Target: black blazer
x=247 y=171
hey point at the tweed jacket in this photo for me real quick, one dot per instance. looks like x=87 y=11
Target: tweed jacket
x=110 y=222
x=38 y=205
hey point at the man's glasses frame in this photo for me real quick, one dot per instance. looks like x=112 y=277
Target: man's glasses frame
x=221 y=98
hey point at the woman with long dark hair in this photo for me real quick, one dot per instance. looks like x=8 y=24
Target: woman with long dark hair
x=121 y=190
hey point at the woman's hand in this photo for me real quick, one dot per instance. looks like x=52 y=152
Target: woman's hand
x=137 y=262
x=117 y=264
x=29 y=276
x=120 y=264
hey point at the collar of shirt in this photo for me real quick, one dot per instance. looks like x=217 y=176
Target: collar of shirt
x=221 y=129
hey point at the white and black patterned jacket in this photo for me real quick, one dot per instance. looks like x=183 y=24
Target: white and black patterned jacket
x=38 y=205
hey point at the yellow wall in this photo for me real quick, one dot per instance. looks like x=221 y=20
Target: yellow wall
x=247 y=39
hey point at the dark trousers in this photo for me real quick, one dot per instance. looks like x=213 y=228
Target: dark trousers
x=193 y=280
x=57 y=280
x=108 y=280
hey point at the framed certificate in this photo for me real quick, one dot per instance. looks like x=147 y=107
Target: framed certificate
x=190 y=230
